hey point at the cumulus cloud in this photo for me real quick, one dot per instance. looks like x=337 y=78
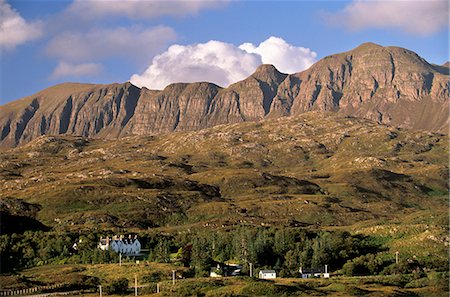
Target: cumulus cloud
x=100 y=43
x=416 y=17
x=214 y=61
x=221 y=63
x=286 y=57
x=14 y=29
x=140 y=9
x=65 y=69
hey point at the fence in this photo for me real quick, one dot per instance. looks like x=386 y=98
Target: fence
x=30 y=290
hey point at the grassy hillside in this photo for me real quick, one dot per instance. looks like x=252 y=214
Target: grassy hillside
x=316 y=169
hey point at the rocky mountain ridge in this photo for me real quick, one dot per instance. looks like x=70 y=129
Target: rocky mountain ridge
x=390 y=85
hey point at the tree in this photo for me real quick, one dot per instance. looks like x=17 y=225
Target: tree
x=284 y=240
x=292 y=262
x=162 y=251
x=307 y=254
x=201 y=256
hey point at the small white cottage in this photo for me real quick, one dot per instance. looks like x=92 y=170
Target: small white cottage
x=267 y=274
x=126 y=246
x=314 y=272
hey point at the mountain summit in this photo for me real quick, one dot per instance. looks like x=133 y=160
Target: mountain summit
x=390 y=85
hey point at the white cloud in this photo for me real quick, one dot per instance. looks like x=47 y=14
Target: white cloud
x=140 y=9
x=65 y=69
x=221 y=63
x=214 y=61
x=286 y=57
x=416 y=17
x=14 y=29
x=134 y=43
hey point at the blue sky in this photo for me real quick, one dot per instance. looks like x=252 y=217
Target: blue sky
x=43 y=43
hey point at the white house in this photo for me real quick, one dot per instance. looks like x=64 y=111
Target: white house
x=120 y=245
x=267 y=274
x=314 y=272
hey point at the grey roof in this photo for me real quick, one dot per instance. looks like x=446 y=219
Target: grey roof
x=268 y=271
x=312 y=270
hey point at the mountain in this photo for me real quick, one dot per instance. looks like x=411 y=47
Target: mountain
x=390 y=85
x=70 y=108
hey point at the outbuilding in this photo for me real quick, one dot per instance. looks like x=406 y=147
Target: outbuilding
x=314 y=272
x=267 y=274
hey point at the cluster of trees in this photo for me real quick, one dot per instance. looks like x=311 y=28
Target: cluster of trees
x=35 y=248
x=283 y=249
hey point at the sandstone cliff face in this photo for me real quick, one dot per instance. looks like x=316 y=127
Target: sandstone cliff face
x=178 y=107
x=185 y=107
x=390 y=85
x=77 y=109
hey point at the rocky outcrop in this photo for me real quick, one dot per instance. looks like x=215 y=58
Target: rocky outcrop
x=390 y=85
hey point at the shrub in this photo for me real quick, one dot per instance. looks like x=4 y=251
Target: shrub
x=439 y=280
x=355 y=291
x=119 y=286
x=417 y=283
x=152 y=277
x=193 y=289
x=266 y=288
x=369 y=264
x=88 y=281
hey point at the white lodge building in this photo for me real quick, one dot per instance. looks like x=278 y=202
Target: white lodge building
x=126 y=246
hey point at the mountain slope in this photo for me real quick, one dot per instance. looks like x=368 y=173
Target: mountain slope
x=312 y=169
x=389 y=85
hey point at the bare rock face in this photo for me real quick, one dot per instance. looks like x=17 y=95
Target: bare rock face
x=247 y=100
x=179 y=106
x=390 y=85
x=111 y=111
x=76 y=109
